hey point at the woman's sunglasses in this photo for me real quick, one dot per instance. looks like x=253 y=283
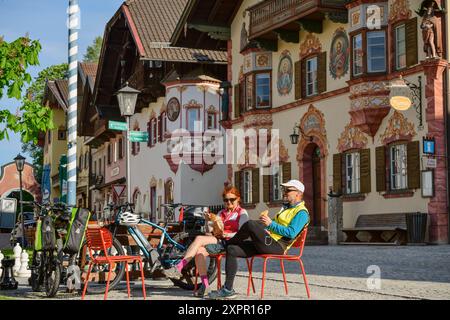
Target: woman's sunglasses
x=229 y=200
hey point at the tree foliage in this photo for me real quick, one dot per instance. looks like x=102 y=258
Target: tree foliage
x=32 y=117
x=94 y=50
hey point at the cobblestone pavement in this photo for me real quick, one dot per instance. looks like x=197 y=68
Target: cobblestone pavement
x=338 y=273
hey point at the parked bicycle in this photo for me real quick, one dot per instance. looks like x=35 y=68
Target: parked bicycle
x=59 y=230
x=168 y=252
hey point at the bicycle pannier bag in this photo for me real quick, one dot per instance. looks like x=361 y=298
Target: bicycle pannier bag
x=48 y=237
x=77 y=229
x=38 y=236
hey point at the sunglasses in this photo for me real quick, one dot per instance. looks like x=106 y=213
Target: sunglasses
x=229 y=200
x=289 y=190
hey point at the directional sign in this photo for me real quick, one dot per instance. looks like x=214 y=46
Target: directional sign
x=120 y=126
x=138 y=136
x=119 y=189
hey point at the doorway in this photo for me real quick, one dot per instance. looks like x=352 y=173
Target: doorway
x=312 y=178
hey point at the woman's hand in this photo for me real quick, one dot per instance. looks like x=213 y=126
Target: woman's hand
x=266 y=220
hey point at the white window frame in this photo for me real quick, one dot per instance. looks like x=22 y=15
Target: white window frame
x=398 y=167
x=266 y=84
x=311 y=76
x=277 y=178
x=211 y=116
x=352 y=173
x=247 y=188
x=370 y=58
x=400 y=46
x=357 y=58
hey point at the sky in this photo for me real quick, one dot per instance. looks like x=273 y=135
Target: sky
x=45 y=20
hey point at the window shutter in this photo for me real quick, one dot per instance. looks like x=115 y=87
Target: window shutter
x=364 y=165
x=298 y=80
x=237 y=182
x=337 y=173
x=237 y=101
x=303 y=78
x=266 y=188
x=286 y=172
x=412 y=51
x=380 y=158
x=322 y=72
x=149 y=130
x=413 y=165
x=159 y=128
x=255 y=185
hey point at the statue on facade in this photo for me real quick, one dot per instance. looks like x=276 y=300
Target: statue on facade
x=431 y=29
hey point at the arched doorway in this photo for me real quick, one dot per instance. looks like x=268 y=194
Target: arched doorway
x=312 y=179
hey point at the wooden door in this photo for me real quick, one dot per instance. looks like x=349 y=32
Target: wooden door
x=317 y=193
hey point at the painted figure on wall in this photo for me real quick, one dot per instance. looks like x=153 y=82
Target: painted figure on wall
x=285 y=71
x=431 y=29
x=339 y=54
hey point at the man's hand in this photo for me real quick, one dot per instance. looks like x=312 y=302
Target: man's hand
x=266 y=220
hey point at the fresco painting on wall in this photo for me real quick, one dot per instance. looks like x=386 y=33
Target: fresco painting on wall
x=339 y=54
x=285 y=69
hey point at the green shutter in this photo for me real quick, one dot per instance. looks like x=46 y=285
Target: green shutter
x=322 y=72
x=337 y=173
x=298 y=80
x=266 y=188
x=255 y=185
x=364 y=166
x=380 y=158
x=413 y=165
x=237 y=111
x=412 y=50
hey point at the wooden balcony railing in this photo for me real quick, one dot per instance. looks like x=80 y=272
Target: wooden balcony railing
x=272 y=14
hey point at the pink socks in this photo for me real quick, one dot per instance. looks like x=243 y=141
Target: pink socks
x=181 y=265
x=205 y=281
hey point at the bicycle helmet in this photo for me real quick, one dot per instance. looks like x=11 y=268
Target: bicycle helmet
x=128 y=218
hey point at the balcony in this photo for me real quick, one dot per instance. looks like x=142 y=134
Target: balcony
x=273 y=15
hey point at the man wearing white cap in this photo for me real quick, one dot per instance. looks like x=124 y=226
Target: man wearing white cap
x=266 y=236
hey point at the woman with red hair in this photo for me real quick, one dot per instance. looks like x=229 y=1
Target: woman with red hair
x=233 y=217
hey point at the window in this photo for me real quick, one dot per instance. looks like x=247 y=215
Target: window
x=120 y=148
x=357 y=55
x=249 y=92
x=109 y=153
x=193 y=114
x=400 y=47
x=104 y=166
x=352 y=173
x=277 y=179
x=100 y=166
x=262 y=90
x=61 y=134
x=154 y=132
x=211 y=124
x=95 y=168
x=80 y=163
x=311 y=76
x=247 y=186
x=398 y=159
x=116 y=151
x=376 y=51
x=163 y=125
x=86 y=160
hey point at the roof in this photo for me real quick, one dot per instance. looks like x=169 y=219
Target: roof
x=88 y=72
x=195 y=75
x=60 y=91
x=152 y=23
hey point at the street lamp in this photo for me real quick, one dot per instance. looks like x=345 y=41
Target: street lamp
x=402 y=95
x=127 y=98
x=295 y=136
x=20 y=164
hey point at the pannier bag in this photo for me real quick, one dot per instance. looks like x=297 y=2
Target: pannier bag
x=48 y=233
x=77 y=228
x=38 y=236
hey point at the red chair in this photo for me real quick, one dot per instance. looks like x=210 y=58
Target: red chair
x=299 y=243
x=100 y=239
x=218 y=258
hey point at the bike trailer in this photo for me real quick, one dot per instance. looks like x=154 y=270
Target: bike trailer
x=77 y=228
x=48 y=235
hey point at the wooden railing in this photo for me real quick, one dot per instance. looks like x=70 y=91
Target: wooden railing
x=271 y=14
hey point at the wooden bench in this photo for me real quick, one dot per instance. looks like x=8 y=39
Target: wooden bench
x=376 y=225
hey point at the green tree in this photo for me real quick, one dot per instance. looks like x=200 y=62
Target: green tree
x=32 y=117
x=93 y=51
x=36 y=93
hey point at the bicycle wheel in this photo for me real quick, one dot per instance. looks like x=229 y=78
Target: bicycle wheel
x=187 y=282
x=99 y=273
x=52 y=275
x=36 y=280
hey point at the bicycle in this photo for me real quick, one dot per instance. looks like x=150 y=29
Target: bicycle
x=169 y=251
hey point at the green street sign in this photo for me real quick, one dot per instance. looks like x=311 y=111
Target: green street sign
x=138 y=136
x=120 y=126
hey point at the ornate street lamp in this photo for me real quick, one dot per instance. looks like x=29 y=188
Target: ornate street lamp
x=127 y=98
x=20 y=164
x=403 y=93
x=295 y=136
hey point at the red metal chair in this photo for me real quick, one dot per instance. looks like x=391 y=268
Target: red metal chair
x=299 y=243
x=218 y=258
x=100 y=239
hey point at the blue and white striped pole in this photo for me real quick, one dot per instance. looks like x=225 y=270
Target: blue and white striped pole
x=74 y=26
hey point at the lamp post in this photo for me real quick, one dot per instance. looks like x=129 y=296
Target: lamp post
x=20 y=164
x=295 y=136
x=402 y=95
x=127 y=98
